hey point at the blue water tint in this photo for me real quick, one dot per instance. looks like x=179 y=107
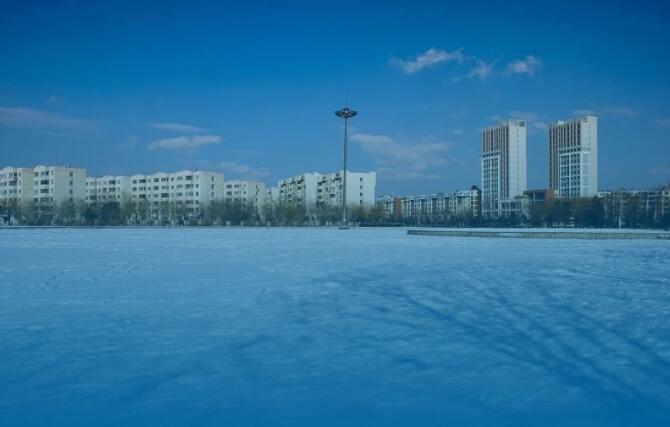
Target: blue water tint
x=323 y=327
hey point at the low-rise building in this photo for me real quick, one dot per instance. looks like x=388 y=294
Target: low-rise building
x=16 y=185
x=298 y=189
x=54 y=185
x=247 y=192
x=312 y=189
x=439 y=206
x=187 y=189
x=107 y=189
x=619 y=204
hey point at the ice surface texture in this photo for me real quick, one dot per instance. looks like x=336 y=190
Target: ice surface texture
x=323 y=327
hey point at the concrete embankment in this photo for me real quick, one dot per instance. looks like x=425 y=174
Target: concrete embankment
x=546 y=234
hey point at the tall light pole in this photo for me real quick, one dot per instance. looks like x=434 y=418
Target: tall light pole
x=346 y=114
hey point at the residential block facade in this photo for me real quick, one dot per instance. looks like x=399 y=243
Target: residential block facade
x=44 y=186
x=573 y=157
x=107 y=189
x=247 y=192
x=16 y=184
x=503 y=165
x=437 y=205
x=312 y=189
x=188 y=188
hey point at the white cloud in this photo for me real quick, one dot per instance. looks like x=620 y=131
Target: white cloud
x=664 y=121
x=482 y=70
x=458 y=131
x=402 y=161
x=584 y=112
x=622 y=111
x=529 y=65
x=660 y=171
x=39 y=119
x=176 y=127
x=242 y=171
x=430 y=57
x=479 y=69
x=619 y=111
x=533 y=120
x=184 y=142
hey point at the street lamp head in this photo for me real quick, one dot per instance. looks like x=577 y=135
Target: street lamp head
x=345 y=113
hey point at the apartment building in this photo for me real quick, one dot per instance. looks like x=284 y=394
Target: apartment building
x=653 y=203
x=311 y=189
x=503 y=165
x=16 y=185
x=53 y=185
x=360 y=189
x=107 y=189
x=187 y=188
x=436 y=205
x=298 y=189
x=246 y=192
x=573 y=157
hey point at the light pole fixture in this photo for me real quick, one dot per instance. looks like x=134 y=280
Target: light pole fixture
x=346 y=114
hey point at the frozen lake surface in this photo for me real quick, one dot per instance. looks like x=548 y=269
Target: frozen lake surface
x=322 y=327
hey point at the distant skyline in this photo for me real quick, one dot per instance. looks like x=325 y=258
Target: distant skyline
x=250 y=88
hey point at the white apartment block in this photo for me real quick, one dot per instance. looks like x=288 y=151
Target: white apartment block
x=246 y=192
x=458 y=203
x=107 y=189
x=53 y=185
x=573 y=157
x=311 y=189
x=298 y=189
x=503 y=165
x=16 y=185
x=187 y=188
x=360 y=189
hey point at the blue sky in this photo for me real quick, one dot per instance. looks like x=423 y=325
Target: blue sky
x=249 y=88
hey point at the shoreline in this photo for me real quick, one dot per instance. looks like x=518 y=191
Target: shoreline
x=563 y=233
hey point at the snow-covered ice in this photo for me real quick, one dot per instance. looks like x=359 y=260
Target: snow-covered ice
x=321 y=327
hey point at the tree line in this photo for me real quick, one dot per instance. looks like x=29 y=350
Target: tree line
x=583 y=212
x=216 y=213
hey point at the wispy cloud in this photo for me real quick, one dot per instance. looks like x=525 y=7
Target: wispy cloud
x=660 y=171
x=479 y=68
x=482 y=70
x=53 y=99
x=533 y=121
x=429 y=58
x=242 y=171
x=621 y=111
x=176 y=127
x=184 y=142
x=529 y=66
x=584 y=112
x=403 y=161
x=663 y=121
x=39 y=119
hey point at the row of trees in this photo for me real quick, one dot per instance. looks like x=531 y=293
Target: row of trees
x=590 y=213
x=220 y=212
